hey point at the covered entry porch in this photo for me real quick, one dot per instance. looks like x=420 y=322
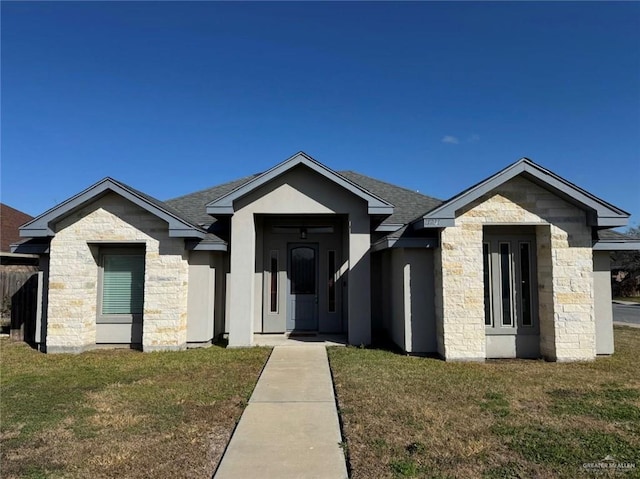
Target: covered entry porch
x=302 y=268
x=299 y=259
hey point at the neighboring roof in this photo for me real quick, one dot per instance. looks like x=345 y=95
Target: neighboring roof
x=179 y=224
x=609 y=240
x=599 y=212
x=10 y=221
x=224 y=204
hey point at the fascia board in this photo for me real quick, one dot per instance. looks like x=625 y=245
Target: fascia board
x=380 y=210
x=210 y=247
x=616 y=245
x=194 y=245
x=612 y=222
x=220 y=210
x=388 y=227
x=186 y=233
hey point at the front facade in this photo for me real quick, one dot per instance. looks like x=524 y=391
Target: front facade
x=515 y=266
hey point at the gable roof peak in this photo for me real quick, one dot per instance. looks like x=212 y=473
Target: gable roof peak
x=179 y=225
x=224 y=205
x=599 y=212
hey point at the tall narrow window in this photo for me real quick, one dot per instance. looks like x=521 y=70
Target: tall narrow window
x=486 y=262
x=122 y=285
x=525 y=284
x=273 y=282
x=505 y=284
x=331 y=293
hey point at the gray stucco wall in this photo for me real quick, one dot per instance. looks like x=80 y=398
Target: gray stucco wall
x=43 y=300
x=412 y=316
x=602 y=302
x=377 y=317
x=399 y=329
x=201 y=297
x=220 y=262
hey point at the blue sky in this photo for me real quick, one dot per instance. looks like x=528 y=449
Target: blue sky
x=172 y=97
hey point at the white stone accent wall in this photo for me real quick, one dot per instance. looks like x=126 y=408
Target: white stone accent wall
x=73 y=277
x=461 y=318
x=565 y=273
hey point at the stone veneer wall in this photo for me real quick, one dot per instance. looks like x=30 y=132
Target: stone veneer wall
x=565 y=273
x=73 y=279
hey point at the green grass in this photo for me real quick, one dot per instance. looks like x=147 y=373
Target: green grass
x=121 y=413
x=417 y=417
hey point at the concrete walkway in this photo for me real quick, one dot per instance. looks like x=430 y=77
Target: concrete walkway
x=290 y=428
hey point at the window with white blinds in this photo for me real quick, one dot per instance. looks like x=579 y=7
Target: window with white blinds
x=122 y=284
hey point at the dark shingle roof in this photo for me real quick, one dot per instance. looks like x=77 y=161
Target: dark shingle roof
x=194 y=204
x=408 y=205
x=160 y=204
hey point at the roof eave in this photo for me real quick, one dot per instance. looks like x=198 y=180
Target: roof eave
x=611 y=221
x=41 y=226
x=617 y=245
x=387 y=243
x=196 y=245
x=30 y=248
x=220 y=210
x=600 y=213
x=383 y=210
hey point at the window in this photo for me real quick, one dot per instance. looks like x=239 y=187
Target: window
x=505 y=283
x=121 y=297
x=273 y=282
x=510 y=286
x=331 y=293
x=525 y=284
x=488 y=290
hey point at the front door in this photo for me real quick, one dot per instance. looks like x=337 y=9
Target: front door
x=302 y=311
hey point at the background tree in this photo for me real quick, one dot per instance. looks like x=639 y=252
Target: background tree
x=627 y=264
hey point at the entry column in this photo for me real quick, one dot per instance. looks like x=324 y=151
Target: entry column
x=359 y=280
x=241 y=280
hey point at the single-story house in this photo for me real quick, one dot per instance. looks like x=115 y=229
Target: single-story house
x=514 y=266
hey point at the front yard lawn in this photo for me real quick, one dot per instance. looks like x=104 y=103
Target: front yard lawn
x=417 y=417
x=122 y=413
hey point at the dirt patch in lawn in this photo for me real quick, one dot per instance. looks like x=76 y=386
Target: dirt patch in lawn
x=108 y=414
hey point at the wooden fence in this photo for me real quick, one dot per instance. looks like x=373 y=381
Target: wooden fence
x=19 y=289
